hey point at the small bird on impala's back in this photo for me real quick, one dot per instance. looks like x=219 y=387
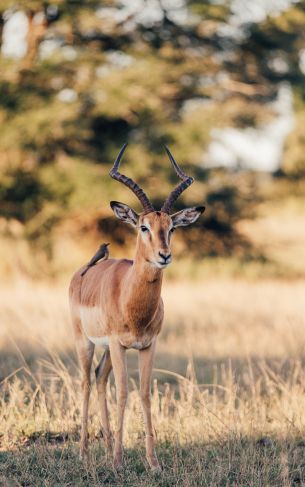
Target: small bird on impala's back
x=101 y=254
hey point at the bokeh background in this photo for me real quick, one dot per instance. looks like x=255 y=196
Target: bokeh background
x=222 y=83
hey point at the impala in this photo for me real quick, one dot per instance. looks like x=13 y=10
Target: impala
x=117 y=304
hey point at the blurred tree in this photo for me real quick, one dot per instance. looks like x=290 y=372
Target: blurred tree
x=273 y=53
x=96 y=74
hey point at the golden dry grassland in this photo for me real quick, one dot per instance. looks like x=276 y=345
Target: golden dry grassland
x=229 y=378
x=228 y=391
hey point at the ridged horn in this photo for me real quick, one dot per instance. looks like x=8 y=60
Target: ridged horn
x=135 y=188
x=186 y=182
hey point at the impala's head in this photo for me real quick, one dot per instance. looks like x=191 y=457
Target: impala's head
x=155 y=228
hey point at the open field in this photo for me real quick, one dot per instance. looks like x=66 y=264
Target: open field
x=220 y=84
x=228 y=395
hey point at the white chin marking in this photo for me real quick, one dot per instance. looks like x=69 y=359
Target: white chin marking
x=159 y=265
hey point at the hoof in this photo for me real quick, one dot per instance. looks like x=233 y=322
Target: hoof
x=154 y=465
x=117 y=462
x=155 y=468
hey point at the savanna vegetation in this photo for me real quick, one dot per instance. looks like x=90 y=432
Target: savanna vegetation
x=228 y=390
x=93 y=79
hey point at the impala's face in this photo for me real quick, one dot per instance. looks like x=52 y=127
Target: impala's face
x=155 y=230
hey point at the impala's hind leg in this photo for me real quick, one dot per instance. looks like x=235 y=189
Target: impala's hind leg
x=85 y=351
x=102 y=372
x=146 y=361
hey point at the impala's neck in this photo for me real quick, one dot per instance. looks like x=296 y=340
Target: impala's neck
x=143 y=290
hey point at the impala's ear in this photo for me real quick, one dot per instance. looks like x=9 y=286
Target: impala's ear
x=187 y=216
x=124 y=212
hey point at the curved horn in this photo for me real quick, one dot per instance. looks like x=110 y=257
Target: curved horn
x=114 y=173
x=186 y=182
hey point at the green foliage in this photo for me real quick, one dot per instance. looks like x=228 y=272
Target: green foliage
x=37 y=199
x=21 y=194
x=135 y=85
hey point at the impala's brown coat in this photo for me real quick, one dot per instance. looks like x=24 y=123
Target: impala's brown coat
x=127 y=292
x=120 y=300
x=136 y=313
x=117 y=303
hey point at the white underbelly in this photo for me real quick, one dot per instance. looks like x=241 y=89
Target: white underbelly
x=93 y=324
x=100 y=341
x=104 y=342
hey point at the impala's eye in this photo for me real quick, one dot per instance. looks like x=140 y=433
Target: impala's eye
x=172 y=230
x=144 y=229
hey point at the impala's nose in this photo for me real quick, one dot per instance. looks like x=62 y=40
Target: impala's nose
x=166 y=257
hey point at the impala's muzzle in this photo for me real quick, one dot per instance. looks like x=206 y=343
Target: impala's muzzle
x=165 y=258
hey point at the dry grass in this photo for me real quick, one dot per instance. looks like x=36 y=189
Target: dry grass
x=228 y=396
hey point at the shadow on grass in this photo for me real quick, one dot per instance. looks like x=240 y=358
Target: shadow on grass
x=235 y=461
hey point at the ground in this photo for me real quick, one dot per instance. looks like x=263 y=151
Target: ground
x=228 y=392
x=228 y=389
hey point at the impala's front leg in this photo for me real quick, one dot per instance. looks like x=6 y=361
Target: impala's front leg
x=146 y=360
x=85 y=350
x=118 y=359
